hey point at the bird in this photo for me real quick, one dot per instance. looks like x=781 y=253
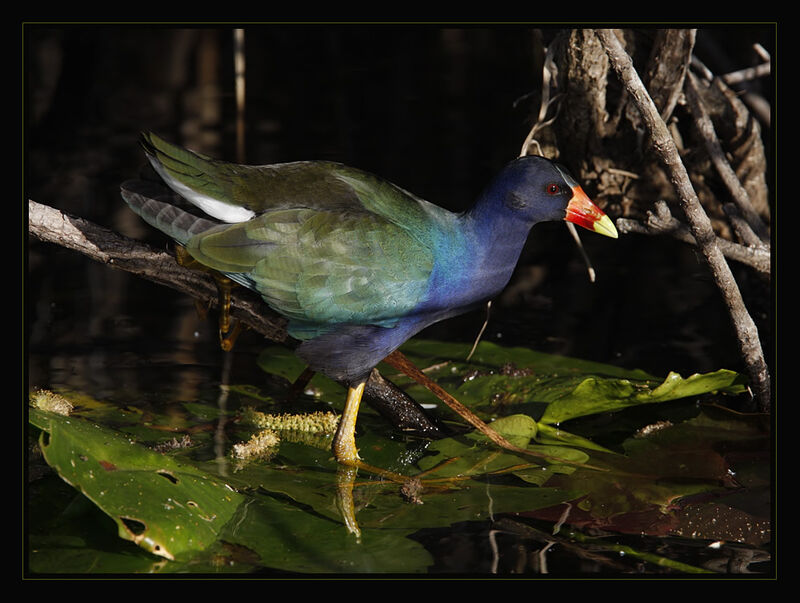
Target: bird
x=357 y=264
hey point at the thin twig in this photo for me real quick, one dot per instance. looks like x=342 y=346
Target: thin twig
x=586 y=260
x=747 y=74
x=699 y=223
x=548 y=82
x=742 y=229
x=483 y=329
x=398 y=360
x=663 y=222
x=757 y=104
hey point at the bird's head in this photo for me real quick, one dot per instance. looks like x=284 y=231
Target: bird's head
x=539 y=190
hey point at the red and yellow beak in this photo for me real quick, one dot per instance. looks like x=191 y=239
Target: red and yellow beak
x=583 y=212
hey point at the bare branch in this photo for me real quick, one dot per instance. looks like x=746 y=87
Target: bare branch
x=742 y=229
x=662 y=222
x=757 y=104
x=103 y=245
x=699 y=223
x=747 y=74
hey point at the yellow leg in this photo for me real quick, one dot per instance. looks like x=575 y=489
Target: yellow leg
x=344 y=442
x=346 y=453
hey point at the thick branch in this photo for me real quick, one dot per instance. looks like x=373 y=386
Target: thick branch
x=699 y=224
x=103 y=245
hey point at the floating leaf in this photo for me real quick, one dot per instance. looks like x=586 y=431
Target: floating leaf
x=165 y=507
x=594 y=395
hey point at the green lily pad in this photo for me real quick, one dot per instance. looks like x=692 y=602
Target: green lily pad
x=281 y=513
x=167 y=508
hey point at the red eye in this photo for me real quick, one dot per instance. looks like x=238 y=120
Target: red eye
x=553 y=188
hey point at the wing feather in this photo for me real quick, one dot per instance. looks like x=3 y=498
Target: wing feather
x=322 y=269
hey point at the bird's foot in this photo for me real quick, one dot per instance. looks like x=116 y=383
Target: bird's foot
x=345 y=451
x=229 y=329
x=227 y=339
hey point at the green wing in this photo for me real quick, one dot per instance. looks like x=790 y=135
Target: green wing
x=325 y=243
x=322 y=268
x=310 y=184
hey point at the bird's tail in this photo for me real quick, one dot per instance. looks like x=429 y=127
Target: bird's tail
x=154 y=204
x=201 y=180
x=175 y=162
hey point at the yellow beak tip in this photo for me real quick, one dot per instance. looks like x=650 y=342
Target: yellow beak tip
x=605 y=226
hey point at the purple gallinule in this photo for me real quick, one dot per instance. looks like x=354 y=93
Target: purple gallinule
x=357 y=264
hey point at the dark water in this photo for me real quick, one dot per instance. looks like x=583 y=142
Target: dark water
x=430 y=108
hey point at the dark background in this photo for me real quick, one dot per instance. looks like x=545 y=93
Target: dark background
x=437 y=110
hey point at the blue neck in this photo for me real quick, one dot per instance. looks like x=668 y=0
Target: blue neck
x=476 y=253
x=499 y=232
